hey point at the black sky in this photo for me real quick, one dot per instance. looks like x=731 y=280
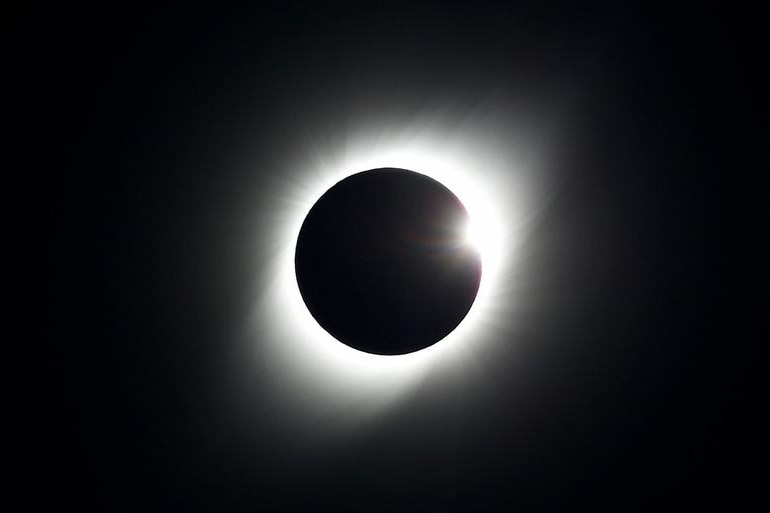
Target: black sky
x=636 y=387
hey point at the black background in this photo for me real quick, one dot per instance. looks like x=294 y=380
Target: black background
x=639 y=388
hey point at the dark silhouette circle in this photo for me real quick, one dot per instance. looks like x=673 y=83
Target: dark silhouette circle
x=381 y=264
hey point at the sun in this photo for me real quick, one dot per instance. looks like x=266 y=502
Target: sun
x=304 y=361
x=485 y=229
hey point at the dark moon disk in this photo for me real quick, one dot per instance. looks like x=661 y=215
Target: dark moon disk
x=381 y=263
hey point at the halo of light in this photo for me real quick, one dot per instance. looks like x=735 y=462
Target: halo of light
x=500 y=188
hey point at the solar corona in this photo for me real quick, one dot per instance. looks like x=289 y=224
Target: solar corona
x=355 y=285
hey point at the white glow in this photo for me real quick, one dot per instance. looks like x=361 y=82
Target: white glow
x=316 y=375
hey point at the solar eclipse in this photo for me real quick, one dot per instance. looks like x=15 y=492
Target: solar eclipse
x=502 y=181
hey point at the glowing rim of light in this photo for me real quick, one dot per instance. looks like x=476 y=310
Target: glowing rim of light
x=502 y=175
x=478 y=233
x=483 y=222
x=308 y=350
